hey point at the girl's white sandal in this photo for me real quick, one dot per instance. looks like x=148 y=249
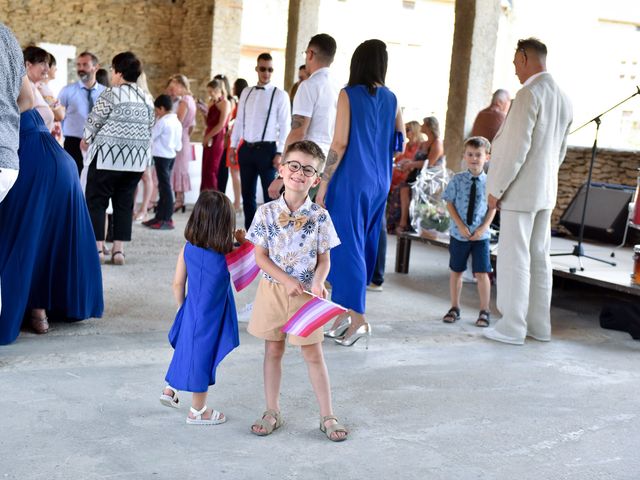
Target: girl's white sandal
x=171 y=401
x=216 y=417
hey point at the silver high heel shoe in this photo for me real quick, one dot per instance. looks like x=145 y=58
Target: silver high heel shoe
x=362 y=331
x=340 y=330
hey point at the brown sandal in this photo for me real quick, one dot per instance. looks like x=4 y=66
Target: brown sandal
x=333 y=428
x=120 y=258
x=265 y=424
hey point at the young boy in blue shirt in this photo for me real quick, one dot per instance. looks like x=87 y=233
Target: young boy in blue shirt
x=467 y=204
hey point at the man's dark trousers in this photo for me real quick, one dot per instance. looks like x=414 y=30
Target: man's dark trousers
x=256 y=160
x=72 y=146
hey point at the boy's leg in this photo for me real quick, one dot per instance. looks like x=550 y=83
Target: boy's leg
x=484 y=290
x=458 y=255
x=481 y=265
x=272 y=368
x=319 y=378
x=455 y=287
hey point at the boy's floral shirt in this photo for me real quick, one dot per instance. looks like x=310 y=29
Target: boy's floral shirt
x=294 y=239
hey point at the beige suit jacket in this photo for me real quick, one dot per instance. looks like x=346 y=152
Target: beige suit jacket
x=530 y=147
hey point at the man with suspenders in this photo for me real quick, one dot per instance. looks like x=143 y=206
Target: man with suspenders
x=262 y=122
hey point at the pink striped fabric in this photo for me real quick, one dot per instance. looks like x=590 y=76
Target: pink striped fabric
x=242 y=265
x=312 y=315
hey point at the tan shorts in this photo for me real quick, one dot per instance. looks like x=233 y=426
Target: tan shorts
x=272 y=309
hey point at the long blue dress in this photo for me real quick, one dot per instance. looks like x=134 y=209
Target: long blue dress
x=206 y=326
x=357 y=193
x=48 y=255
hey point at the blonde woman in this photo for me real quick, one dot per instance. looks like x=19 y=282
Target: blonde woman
x=432 y=152
x=149 y=190
x=415 y=139
x=186 y=111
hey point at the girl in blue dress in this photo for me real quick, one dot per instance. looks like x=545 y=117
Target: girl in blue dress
x=206 y=326
x=356 y=181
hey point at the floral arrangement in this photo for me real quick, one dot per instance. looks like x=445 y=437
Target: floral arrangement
x=428 y=210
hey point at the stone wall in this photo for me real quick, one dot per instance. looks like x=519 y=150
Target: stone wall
x=170 y=36
x=611 y=166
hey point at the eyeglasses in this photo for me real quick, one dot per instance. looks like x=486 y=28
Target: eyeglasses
x=307 y=170
x=265 y=69
x=308 y=50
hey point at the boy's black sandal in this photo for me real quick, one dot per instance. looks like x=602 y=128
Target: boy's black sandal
x=483 y=319
x=453 y=315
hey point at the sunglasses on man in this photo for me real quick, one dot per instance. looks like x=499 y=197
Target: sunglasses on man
x=265 y=69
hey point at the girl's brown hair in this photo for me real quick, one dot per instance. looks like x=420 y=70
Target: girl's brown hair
x=212 y=222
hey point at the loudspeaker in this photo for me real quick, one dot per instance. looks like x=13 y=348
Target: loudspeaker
x=607 y=212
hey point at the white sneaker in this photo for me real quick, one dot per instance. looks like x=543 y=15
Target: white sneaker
x=372 y=287
x=244 y=313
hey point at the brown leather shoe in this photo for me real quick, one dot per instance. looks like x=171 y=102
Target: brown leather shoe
x=40 y=325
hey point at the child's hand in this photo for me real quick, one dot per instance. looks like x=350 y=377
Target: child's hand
x=478 y=233
x=464 y=231
x=319 y=290
x=294 y=287
x=240 y=235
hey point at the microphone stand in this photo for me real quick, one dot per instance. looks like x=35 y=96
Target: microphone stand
x=578 y=250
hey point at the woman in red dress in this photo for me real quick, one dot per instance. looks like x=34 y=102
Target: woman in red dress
x=217 y=117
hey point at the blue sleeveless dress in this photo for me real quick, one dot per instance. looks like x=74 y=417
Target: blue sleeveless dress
x=357 y=193
x=206 y=326
x=48 y=255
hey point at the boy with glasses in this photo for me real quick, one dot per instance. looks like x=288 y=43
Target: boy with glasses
x=292 y=238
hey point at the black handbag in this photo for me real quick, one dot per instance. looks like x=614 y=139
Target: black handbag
x=621 y=316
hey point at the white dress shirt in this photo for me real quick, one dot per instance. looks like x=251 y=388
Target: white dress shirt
x=166 y=136
x=252 y=116
x=317 y=99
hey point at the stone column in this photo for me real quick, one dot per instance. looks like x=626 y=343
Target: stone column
x=225 y=51
x=303 y=24
x=471 y=75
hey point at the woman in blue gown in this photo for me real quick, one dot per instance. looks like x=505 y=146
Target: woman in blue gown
x=48 y=259
x=356 y=181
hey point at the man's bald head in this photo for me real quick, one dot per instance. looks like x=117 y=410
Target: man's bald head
x=501 y=99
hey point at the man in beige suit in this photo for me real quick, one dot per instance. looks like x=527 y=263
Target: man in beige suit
x=523 y=182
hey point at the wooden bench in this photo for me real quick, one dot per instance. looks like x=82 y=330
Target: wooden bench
x=403 y=248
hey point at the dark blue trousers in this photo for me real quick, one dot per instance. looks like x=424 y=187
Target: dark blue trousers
x=256 y=160
x=378 y=271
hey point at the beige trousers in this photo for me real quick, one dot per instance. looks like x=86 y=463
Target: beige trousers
x=524 y=274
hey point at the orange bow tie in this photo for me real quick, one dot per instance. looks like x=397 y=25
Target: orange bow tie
x=285 y=219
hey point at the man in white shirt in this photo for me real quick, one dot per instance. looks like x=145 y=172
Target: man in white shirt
x=523 y=182
x=262 y=122
x=314 y=106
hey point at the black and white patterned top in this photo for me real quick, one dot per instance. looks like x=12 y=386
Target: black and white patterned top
x=118 y=129
x=13 y=70
x=293 y=249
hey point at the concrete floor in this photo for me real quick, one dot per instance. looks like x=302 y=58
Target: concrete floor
x=427 y=400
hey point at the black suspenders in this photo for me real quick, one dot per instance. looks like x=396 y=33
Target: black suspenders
x=244 y=112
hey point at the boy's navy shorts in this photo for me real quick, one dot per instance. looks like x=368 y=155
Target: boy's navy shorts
x=459 y=253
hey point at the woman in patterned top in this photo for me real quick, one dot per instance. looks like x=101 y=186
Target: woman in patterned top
x=118 y=133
